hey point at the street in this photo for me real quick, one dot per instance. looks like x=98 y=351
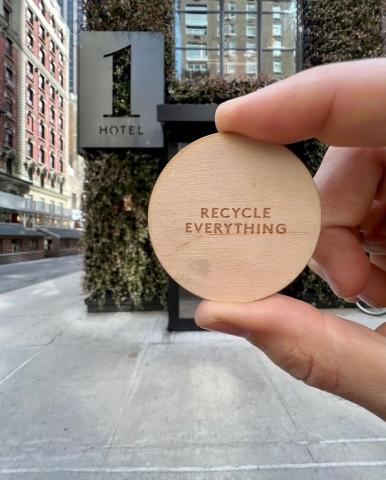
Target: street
x=115 y=396
x=22 y=274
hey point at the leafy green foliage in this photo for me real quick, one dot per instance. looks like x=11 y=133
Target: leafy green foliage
x=342 y=30
x=213 y=89
x=119 y=259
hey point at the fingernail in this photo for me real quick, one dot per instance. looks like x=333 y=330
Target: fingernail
x=228 y=328
x=369 y=300
x=352 y=299
x=336 y=287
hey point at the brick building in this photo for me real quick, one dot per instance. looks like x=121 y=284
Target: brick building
x=39 y=89
x=10 y=180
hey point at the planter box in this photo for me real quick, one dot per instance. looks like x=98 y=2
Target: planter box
x=126 y=306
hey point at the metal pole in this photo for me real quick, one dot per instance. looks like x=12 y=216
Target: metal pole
x=259 y=36
x=299 y=35
x=222 y=24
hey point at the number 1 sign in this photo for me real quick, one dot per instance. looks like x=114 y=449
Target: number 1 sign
x=98 y=127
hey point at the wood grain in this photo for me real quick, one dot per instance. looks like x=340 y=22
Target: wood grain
x=234 y=219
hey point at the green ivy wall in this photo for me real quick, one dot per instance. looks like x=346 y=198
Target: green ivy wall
x=119 y=260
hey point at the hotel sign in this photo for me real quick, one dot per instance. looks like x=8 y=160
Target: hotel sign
x=97 y=125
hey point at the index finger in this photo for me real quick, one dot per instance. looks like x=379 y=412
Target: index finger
x=340 y=104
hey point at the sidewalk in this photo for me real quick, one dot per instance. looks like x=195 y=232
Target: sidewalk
x=117 y=397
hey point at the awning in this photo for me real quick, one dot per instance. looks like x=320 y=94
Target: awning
x=60 y=232
x=17 y=230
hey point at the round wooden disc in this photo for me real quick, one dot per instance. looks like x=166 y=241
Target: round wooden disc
x=234 y=219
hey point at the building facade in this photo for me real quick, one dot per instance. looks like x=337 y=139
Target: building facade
x=72 y=15
x=10 y=53
x=39 y=121
x=235 y=39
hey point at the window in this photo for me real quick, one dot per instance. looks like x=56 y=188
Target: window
x=196 y=20
x=231 y=67
x=52 y=115
x=42 y=106
x=52 y=93
x=276 y=30
x=195 y=31
x=8 y=138
x=8 y=74
x=16 y=245
x=232 y=8
x=61 y=80
x=52 y=138
x=276 y=12
x=251 y=67
x=61 y=103
x=251 y=48
x=7 y=15
x=197 y=51
x=41 y=130
x=33 y=244
x=42 y=57
x=197 y=67
x=30 y=149
x=61 y=168
x=9 y=108
x=42 y=82
x=276 y=45
x=61 y=58
x=30 y=96
x=61 y=122
x=8 y=47
x=52 y=206
x=61 y=36
x=61 y=144
x=9 y=78
x=276 y=67
x=42 y=32
x=41 y=203
x=30 y=41
x=251 y=31
x=30 y=17
x=42 y=7
x=42 y=158
x=52 y=161
x=30 y=122
x=1 y=245
x=244 y=23
x=30 y=70
x=52 y=46
x=52 y=67
x=52 y=22
x=251 y=11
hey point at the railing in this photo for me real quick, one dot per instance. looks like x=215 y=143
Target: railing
x=28 y=205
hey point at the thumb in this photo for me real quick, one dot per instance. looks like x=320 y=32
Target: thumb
x=320 y=349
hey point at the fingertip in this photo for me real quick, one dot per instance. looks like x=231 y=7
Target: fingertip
x=223 y=113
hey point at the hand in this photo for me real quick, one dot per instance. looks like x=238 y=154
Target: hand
x=342 y=105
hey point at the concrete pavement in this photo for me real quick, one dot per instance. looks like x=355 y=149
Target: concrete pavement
x=22 y=274
x=117 y=397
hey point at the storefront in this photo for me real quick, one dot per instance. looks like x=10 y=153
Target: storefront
x=59 y=242
x=18 y=243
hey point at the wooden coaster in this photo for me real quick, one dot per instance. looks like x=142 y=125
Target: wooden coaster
x=234 y=219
